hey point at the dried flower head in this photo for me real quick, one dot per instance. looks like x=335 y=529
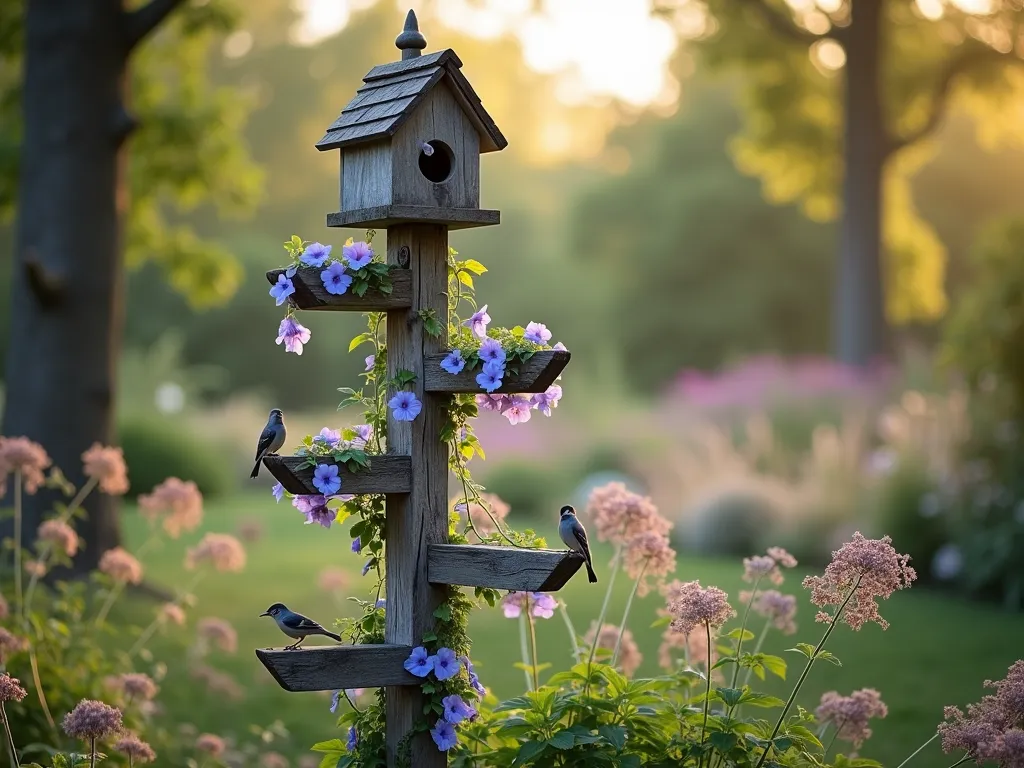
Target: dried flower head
x=482 y=522
x=137 y=685
x=333 y=579
x=10 y=688
x=619 y=514
x=850 y=714
x=692 y=605
x=105 y=464
x=10 y=644
x=222 y=551
x=273 y=760
x=135 y=748
x=772 y=604
x=861 y=570
x=250 y=531
x=211 y=744
x=629 y=653
x=219 y=632
x=19 y=454
x=218 y=683
x=180 y=503
x=121 y=566
x=983 y=730
x=60 y=536
x=649 y=554
x=173 y=613
x=768 y=566
x=92 y=720
x=782 y=557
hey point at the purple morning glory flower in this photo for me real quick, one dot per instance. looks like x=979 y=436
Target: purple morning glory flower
x=316 y=254
x=453 y=363
x=488 y=381
x=474 y=681
x=367 y=566
x=290 y=272
x=278 y=491
x=293 y=334
x=490 y=349
x=335 y=701
x=455 y=709
x=380 y=603
x=446 y=664
x=489 y=402
x=404 y=406
x=358 y=255
x=357 y=545
x=517 y=410
x=364 y=432
x=543 y=606
x=494 y=368
x=420 y=663
x=329 y=437
x=282 y=289
x=326 y=479
x=545 y=401
x=538 y=333
x=370 y=360
x=315 y=509
x=560 y=347
x=444 y=735
x=478 y=321
x=353 y=739
x=335 y=279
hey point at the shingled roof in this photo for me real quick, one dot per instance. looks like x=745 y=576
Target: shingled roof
x=390 y=94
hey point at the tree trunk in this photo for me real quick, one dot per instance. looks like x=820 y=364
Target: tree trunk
x=860 y=298
x=67 y=302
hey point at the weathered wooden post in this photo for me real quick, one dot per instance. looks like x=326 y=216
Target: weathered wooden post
x=410 y=143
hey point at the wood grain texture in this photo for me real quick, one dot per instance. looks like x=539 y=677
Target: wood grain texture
x=330 y=667
x=388 y=216
x=519 y=570
x=367 y=176
x=420 y=519
x=387 y=474
x=535 y=375
x=310 y=293
x=491 y=138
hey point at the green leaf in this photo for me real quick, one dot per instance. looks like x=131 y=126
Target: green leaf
x=362 y=338
x=735 y=634
x=333 y=745
x=443 y=612
x=756 y=699
x=473 y=266
x=614 y=735
x=359 y=287
x=805 y=648
x=529 y=751
x=774 y=664
x=723 y=741
x=831 y=658
x=429 y=637
x=465 y=279
x=731 y=696
x=563 y=740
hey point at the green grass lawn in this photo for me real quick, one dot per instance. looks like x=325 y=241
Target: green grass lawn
x=937 y=651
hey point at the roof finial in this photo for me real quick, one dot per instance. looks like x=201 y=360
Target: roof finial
x=410 y=42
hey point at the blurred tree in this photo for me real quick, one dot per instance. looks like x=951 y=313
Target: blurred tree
x=904 y=62
x=74 y=73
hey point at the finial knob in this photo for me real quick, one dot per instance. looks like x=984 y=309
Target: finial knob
x=410 y=42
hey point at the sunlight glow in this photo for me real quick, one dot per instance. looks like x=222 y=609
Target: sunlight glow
x=829 y=54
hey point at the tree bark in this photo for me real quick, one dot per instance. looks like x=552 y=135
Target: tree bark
x=860 y=324
x=67 y=302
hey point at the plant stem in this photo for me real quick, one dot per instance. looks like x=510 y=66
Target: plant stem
x=918 y=751
x=524 y=650
x=39 y=689
x=707 y=691
x=743 y=628
x=803 y=675
x=10 y=738
x=962 y=760
x=17 y=546
x=111 y=597
x=757 y=649
x=92 y=752
x=572 y=632
x=839 y=727
x=625 y=614
x=604 y=606
x=533 y=644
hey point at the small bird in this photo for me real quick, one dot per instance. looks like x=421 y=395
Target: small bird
x=575 y=537
x=295 y=625
x=271 y=439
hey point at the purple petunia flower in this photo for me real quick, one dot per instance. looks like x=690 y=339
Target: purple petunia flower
x=293 y=334
x=380 y=603
x=326 y=479
x=474 y=681
x=336 y=279
x=490 y=349
x=560 y=347
x=353 y=739
x=543 y=605
x=489 y=402
x=316 y=254
x=367 y=565
x=363 y=432
x=446 y=664
x=444 y=735
x=282 y=289
x=488 y=381
x=329 y=437
x=358 y=255
x=478 y=321
x=538 y=333
x=290 y=272
x=404 y=406
x=453 y=363
x=545 y=401
x=517 y=410
x=315 y=509
x=278 y=492
x=357 y=545
x=494 y=368
x=420 y=663
x=370 y=361
x=335 y=701
x=455 y=709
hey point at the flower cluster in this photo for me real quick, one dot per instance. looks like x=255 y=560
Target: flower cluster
x=10 y=644
x=178 y=502
x=768 y=566
x=92 y=720
x=517 y=408
x=121 y=566
x=778 y=608
x=608 y=638
x=21 y=455
x=692 y=606
x=11 y=688
x=105 y=465
x=542 y=606
x=445 y=664
x=219 y=632
x=694 y=646
x=477 y=512
x=648 y=553
x=60 y=536
x=993 y=728
x=850 y=714
x=222 y=551
x=135 y=748
x=619 y=514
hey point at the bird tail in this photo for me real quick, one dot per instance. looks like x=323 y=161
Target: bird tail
x=336 y=638
x=256 y=468
x=591 y=576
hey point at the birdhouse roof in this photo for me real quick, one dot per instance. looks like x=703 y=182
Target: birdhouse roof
x=390 y=94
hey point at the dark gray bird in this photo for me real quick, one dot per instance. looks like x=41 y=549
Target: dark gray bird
x=271 y=439
x=574 y=535
x=295 y=625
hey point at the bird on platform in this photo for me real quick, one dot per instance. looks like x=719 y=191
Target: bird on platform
x=271 y=439
x=295 y=625
x=574 y=535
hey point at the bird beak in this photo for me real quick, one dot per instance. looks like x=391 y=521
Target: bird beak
x=265 y=613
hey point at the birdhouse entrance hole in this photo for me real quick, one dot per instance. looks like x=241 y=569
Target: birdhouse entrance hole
x=437 y=166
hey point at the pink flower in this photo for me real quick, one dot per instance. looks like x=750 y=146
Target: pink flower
x=619 y=514
x=869 y=568
x=542 y=606
x=517 y=410
x=219 y=632
x=222 y=551
x=19 y=454
x=10 y=688
x=692 y=605
x=218 y=683
x=137 y=685
x=135 y=748
x=478 y=513
x=772 y=604
x=92 y=720
x=121 y=566
x=477 y=323
x=172 y=612
x=850 y=714
x=211 y=744
x=105 y=464
x=761 y=566
x=180 y=502
x=648 y=554
x=293 y=335
x=59 y=535
x=992 y=725
x=629 y=658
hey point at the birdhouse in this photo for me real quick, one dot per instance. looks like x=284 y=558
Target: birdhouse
x=410 y=143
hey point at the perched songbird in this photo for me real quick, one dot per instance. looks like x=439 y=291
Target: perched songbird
x=271 y=439
x=295 y=625
x=575 y=537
